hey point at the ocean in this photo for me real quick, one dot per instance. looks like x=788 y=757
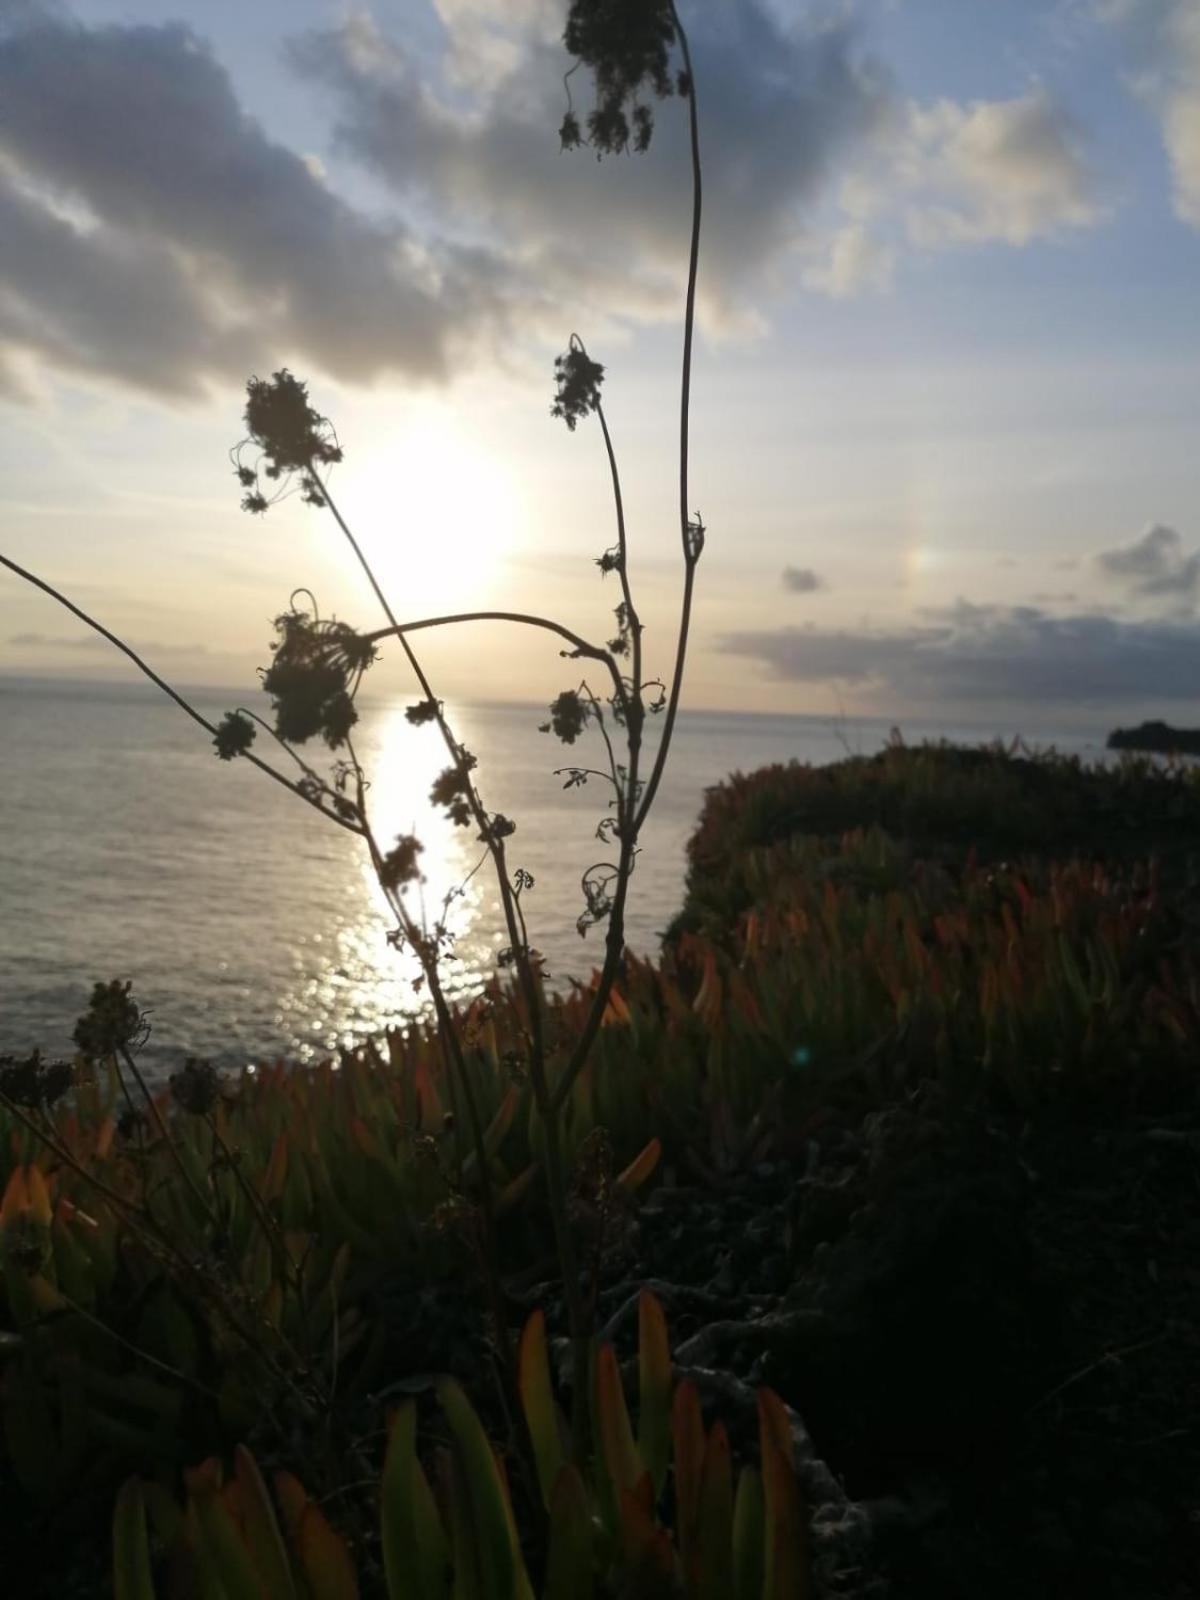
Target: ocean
x=253 y=930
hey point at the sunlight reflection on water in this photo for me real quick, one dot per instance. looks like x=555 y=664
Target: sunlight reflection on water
x=250 y=929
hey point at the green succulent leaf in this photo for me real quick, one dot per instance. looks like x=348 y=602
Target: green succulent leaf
x=537 y=1401
x=416 y=1553
x=132 y=1575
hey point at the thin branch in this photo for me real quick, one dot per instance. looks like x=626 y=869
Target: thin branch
x=591 y=772
x=581 y=646
x=245 y=711
x=136 y=1351
x=164 y=1131
x=635 y=626
x=456 y=1066
x=478 y=811
x=525 y=974
x=161 y=683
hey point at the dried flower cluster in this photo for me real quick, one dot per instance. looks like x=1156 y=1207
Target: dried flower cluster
x=112 y=1022
x=291 y=438
x=399 y=866
x=568 y=714
x=451 y=789
x=33 y=1082
x=234 y=736
x=578 y=379
x=195 y=1088
x=314 y=676
x=627 y=44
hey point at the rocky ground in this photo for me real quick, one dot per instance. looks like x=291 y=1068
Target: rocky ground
x=988 y=1334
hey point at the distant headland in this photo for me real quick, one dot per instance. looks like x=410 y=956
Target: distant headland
x=1158 y=737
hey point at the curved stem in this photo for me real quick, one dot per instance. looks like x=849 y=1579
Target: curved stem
x=455 y=1064
x=525 y=975
x=625 y=801
x=495 y=846
x=635 y=625
x=690 y=555
x=581 y=646
x=615 y=942
x=591 y=772
x=164 y=1132
x=245 y=711
x=660 y=759
x=271 y=1231
x=136 y=1351
x=161 y=683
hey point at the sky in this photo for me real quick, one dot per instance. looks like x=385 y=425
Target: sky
x=947 y=386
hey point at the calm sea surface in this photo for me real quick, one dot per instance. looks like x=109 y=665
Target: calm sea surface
x=251 y=928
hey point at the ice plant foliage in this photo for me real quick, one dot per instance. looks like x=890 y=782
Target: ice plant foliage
x=719 y=1540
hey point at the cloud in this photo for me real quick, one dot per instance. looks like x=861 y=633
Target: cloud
x=154 y=233
x=1006 y=170
x=989 y=654
x=791 y=114
x=1154 y=564
x=780 y=107
x=946 y=175
x=853 y=261
x=801 y=580
x=1163 y=40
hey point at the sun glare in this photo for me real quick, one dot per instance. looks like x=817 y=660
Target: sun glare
x=435 y=511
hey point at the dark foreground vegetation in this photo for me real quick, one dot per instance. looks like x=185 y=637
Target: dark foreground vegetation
x=900 y=1134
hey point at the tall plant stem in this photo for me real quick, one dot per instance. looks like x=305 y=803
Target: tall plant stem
x=691 y=553
x=635 y=626
x=270 y=1228
x=556 y=1181
x=161 y=683
x=494 y=845
x=615 y=941
x=164 y=1132
x=457 y=1071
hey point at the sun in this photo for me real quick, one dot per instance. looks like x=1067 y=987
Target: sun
x=435 y=512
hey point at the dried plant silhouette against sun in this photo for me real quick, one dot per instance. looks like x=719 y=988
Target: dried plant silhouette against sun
x=637 y=53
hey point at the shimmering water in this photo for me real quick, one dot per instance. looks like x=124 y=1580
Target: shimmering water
x=252 y=929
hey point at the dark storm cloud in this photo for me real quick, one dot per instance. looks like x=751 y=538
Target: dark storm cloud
x=989 y=653
x=1154 y=564
x=801 y=580
x=778 y=105
x=153 y=232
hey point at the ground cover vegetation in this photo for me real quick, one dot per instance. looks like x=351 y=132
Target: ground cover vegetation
x=899 y=1134
x=908 y=1138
